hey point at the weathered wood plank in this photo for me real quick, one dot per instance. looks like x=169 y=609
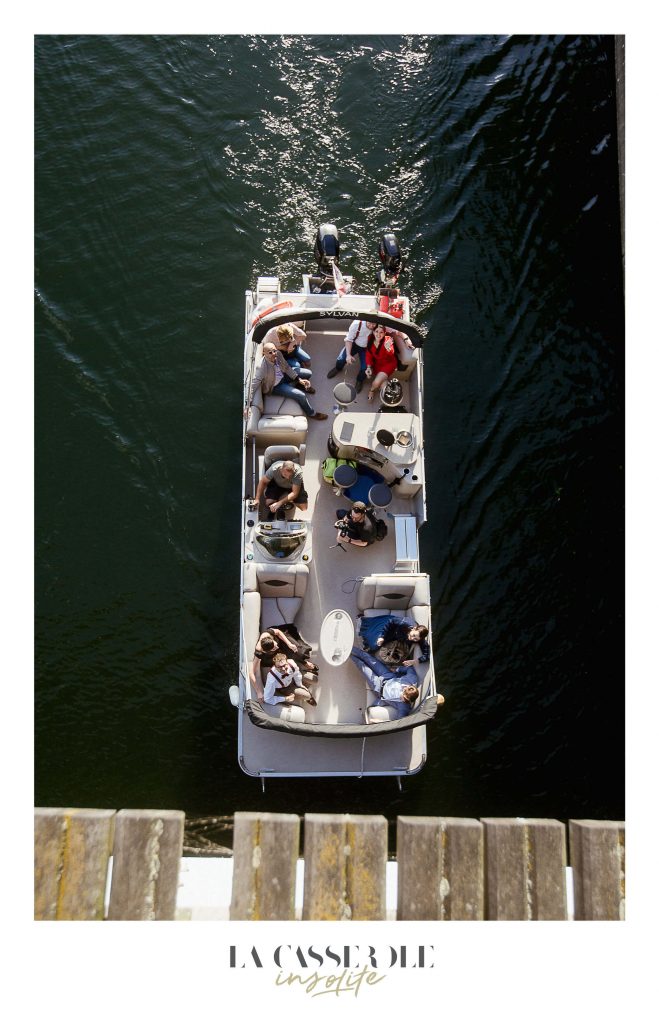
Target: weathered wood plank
x=597 y=857
x=345 y=864
x=265 y=853
x=525 y=861
x=145 y=866
x=71 y=853
x=440 y=869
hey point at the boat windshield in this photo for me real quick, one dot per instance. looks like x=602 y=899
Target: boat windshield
x=279 y=544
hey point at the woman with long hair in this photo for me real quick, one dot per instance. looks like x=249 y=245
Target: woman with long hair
x=381 y=359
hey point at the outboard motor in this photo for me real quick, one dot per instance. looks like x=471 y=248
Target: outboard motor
x=392 y=262
x=326 y=253
x=326 y=250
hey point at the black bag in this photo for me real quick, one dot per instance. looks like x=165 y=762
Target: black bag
x=381 y=529
x=394 y=653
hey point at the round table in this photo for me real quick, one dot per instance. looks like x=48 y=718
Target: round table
x=337 y=636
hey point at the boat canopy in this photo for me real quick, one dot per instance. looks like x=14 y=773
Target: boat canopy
x=285 y=316
x=421 y=716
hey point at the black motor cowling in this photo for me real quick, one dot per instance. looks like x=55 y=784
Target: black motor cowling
x=390 y=258
x=326 y=250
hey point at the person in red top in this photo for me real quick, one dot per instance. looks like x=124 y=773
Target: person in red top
x=381 y=359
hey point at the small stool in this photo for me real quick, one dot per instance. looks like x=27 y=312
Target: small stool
x=344 y=393
x=380 y=496
x=344 y=476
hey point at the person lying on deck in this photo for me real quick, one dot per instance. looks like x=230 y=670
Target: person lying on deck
x=383 y=629
x=395 y=688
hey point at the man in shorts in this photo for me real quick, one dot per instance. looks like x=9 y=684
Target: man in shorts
x=280 y=484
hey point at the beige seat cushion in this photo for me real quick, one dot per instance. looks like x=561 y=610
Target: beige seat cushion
x=377 y=714
x=409 y=360
x=279 y=420
x=397 y=592
x=251 y=622
x=282 y=588
x=287 y=712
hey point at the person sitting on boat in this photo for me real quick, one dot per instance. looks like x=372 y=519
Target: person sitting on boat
x=355 y=527
x=383 y=629
x=274 y=376
x=395 y=688
x=284 y=683
x=280 y=485
x=381 y=359
x=284 y=638
x=355 y=341
x=287 y=339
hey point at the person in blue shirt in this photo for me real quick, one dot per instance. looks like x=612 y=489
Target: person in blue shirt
x=395 y=688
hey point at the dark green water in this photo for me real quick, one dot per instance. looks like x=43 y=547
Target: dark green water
x=169 y=173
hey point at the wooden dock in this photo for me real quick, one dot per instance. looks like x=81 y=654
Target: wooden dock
x=124 y=865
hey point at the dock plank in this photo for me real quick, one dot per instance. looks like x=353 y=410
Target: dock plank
x=71 y=854
x=440 y=869
x=147 y=852
x=597 y=857
x=265 y=852
x=525 y=860
x=345 y=864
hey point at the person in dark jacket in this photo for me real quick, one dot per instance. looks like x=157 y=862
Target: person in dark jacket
x=381 y=629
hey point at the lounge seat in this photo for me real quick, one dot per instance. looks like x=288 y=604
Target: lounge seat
x=277 y=421
x=407 y=596
x=272 y=594
x=280 y=453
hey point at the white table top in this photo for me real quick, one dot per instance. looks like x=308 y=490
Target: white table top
x=361 y=428
x=337 y=636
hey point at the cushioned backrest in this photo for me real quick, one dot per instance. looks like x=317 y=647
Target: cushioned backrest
x=280 y=453
x=251 y=622
x=282 y=580
x=250 y=582
x=420 y=613
x=393 y=596
x=287 y=712
x=391 y=592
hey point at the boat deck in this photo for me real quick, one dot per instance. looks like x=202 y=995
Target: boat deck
x=334 y=578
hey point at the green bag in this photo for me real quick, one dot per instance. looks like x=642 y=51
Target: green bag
x=330 y=464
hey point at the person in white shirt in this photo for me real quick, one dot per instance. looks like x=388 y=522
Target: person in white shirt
x=356 y=340
x=284 y=683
